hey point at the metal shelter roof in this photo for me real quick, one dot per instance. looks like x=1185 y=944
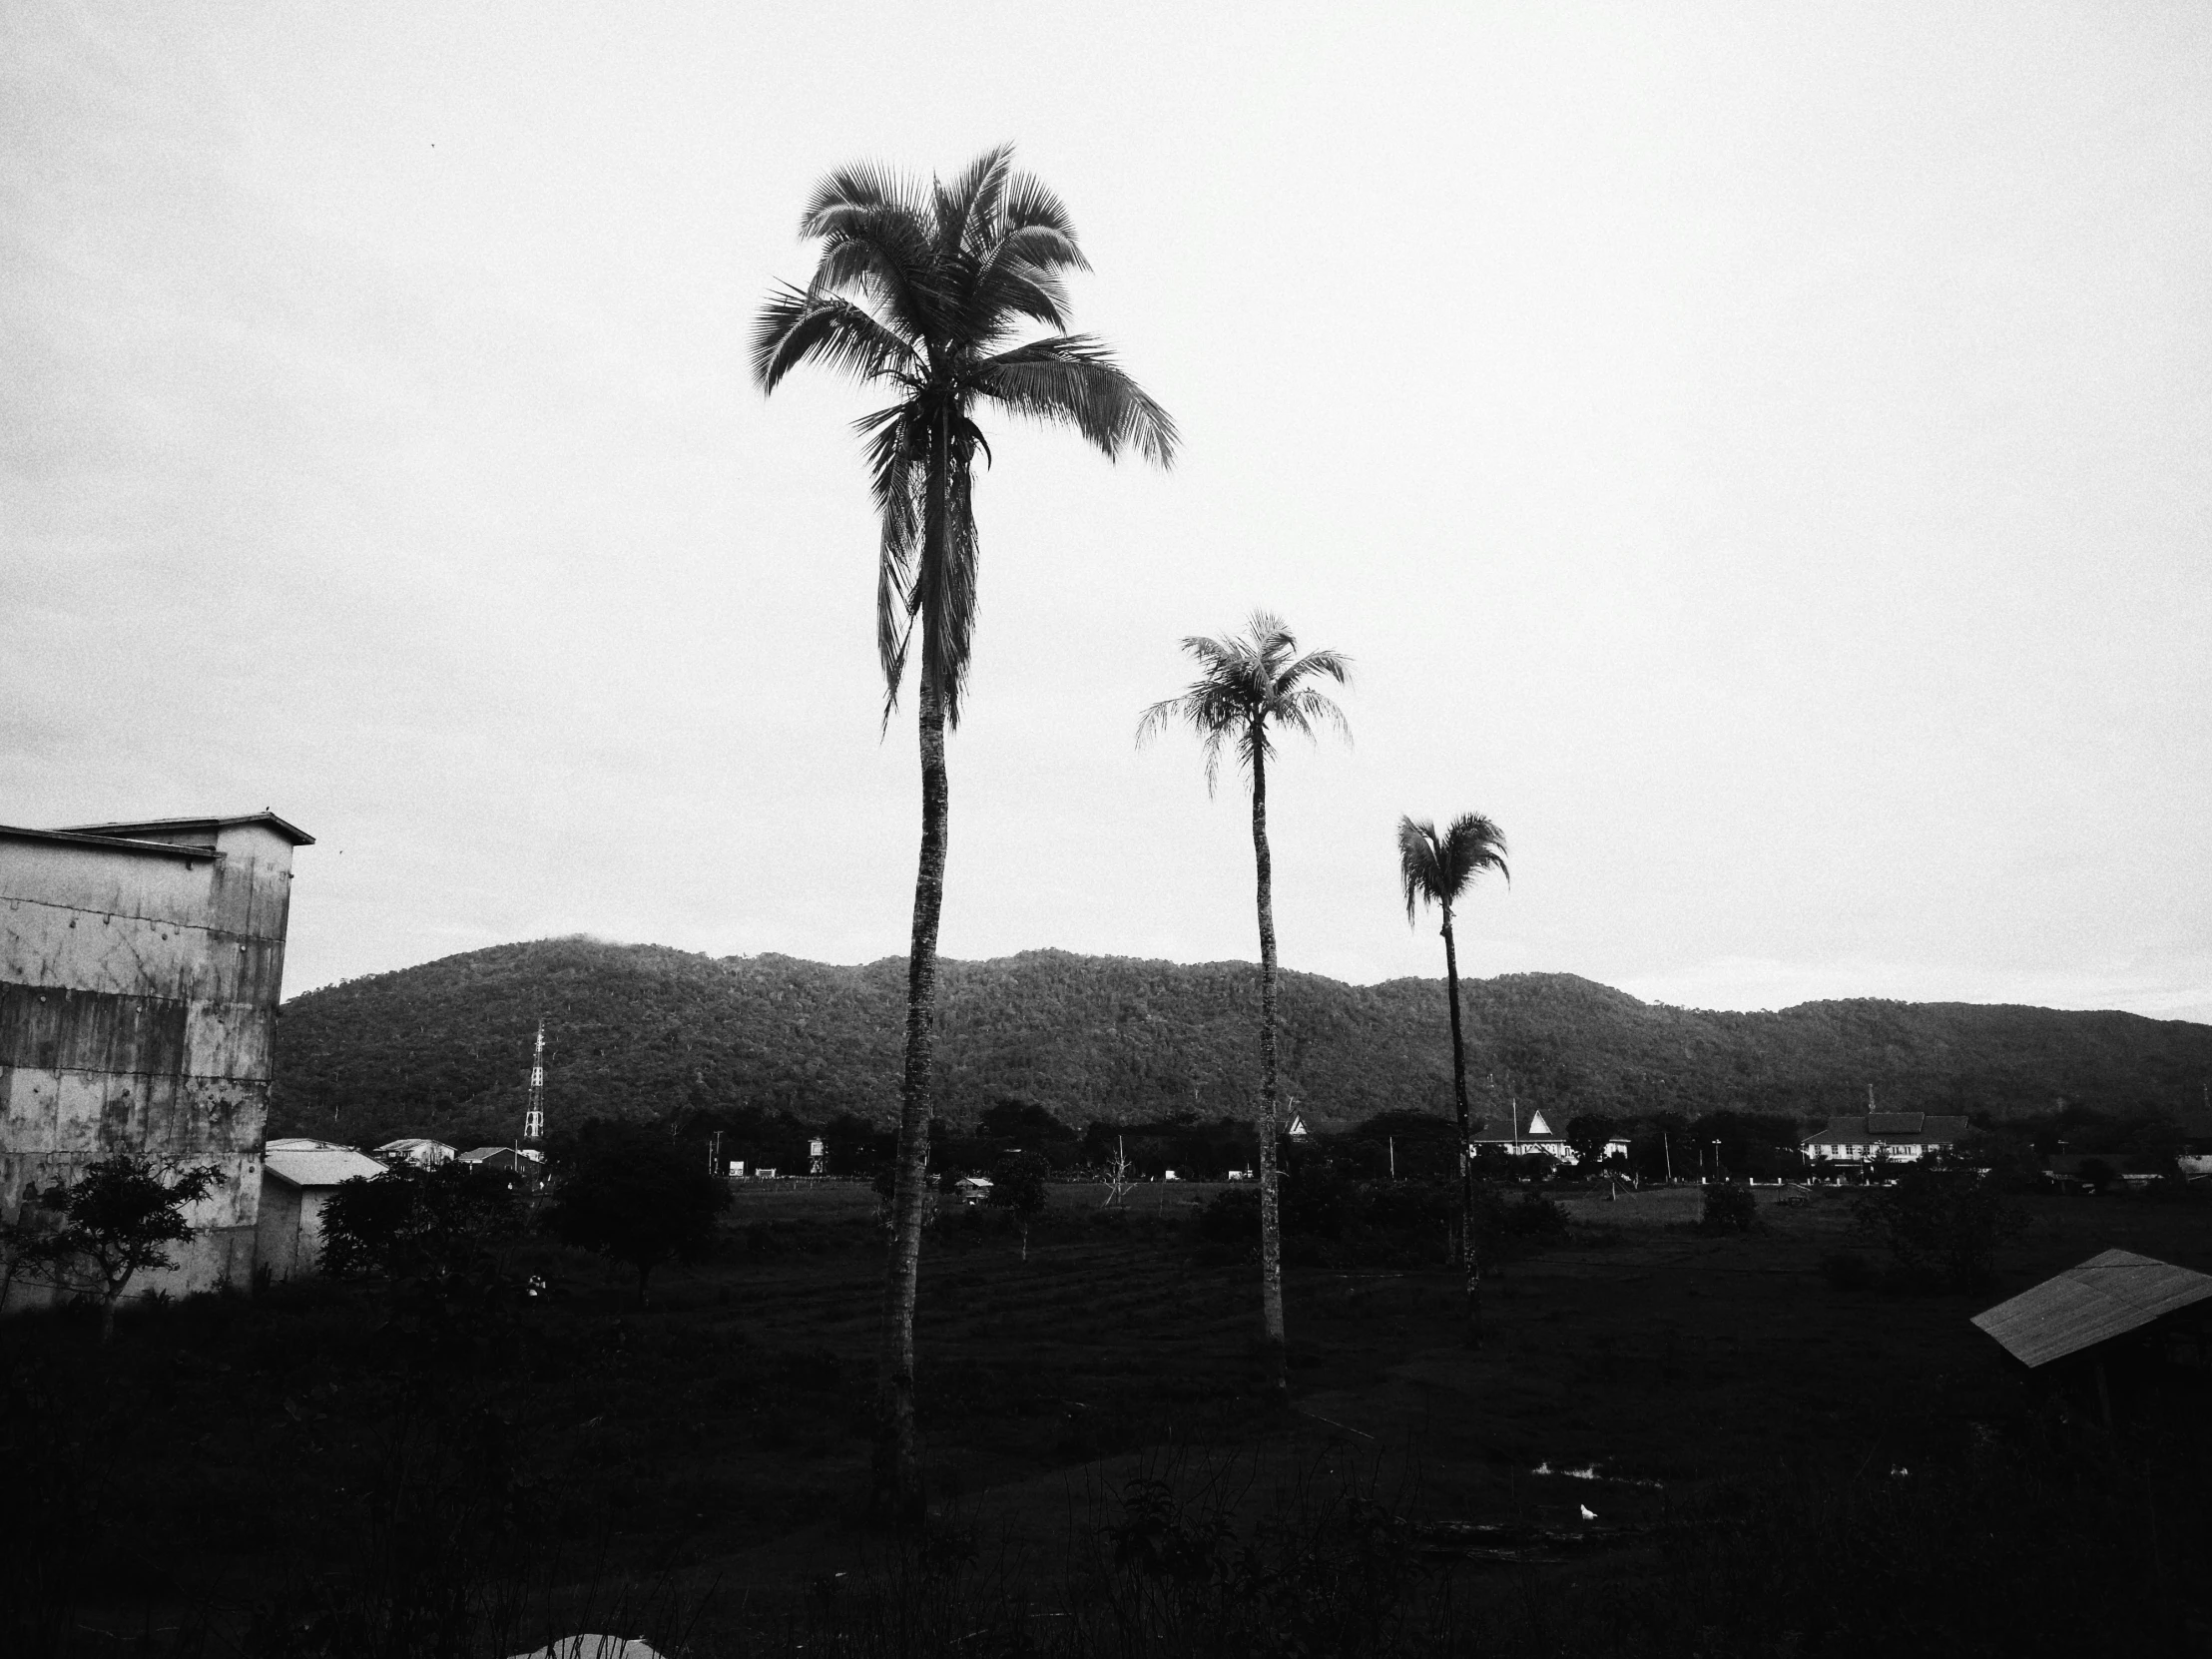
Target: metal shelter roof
x=2106 y=1297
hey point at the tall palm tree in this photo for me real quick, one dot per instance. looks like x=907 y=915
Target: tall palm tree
x=1246 y=689
x=1438 y=870
x=925 y=289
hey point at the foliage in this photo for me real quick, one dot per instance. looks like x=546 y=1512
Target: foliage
x=1729 y=1209
x=1247 y=689
x=1942 y=1225
x=1017 y=1187
x=636 y=1031
x=1017 y=1184
x=1589 y=1133
x=119 y=1217
x=629 y=1193
x=418 y=1222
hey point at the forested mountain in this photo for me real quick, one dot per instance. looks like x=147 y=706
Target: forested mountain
x=639 y=1030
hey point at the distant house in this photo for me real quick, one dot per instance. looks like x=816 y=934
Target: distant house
x=1536 y=1135
x=525 y=1164
x=972 y=1189
x=296 y=1182
x=416 y=1149
x=1893 y=1137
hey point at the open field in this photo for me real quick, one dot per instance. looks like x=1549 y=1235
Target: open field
x=225 y=1451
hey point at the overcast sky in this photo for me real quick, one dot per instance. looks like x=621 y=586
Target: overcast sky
x=1762 y=456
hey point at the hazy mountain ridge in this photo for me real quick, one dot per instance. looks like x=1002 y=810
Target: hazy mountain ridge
x=643 y=1029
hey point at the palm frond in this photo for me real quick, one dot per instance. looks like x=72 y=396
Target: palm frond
x=968 y=208
x=1073 y=379
x=1471 y=845
x=1303 y=709
x=875 y=229
x=1417 y=865
x=796 y=326
x=1032 y=204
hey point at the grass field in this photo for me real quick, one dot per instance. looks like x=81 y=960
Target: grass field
x=227 y=1454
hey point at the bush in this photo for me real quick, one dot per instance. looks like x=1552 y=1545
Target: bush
x=1729 y=1209
x=418 y=1222
x=1940 y=1226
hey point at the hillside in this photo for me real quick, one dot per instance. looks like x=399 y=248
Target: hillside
x=642 y=1030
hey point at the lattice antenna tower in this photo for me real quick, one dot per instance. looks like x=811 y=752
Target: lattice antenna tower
x=533 y=1109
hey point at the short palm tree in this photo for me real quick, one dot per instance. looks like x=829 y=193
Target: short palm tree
x=923 y=289
x=1438 y=870
x=1246 y=689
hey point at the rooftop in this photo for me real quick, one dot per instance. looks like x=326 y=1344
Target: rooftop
x=176 y=826
x=2106 y=1297
x=323 y=1166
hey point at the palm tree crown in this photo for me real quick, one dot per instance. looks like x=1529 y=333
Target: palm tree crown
x=923 y=289
x=1247 y=687
x=1436 y=869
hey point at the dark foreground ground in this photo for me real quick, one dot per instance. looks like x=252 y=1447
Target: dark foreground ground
x=1669 y=1443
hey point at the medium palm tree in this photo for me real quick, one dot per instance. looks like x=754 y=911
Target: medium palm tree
x=925 y=289
x=1438 y=870
x=1248 y=688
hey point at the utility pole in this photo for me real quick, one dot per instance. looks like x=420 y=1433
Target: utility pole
x=714 y=1153
x=1391 y=1142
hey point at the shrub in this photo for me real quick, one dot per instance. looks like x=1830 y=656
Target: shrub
x=1940 y=1226
x=1729 y=1209
x=418 y=1222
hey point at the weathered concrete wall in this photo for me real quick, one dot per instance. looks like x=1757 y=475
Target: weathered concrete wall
x=138 y=997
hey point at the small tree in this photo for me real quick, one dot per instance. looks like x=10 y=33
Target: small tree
x=1017 y=1186
x=120 y=1217
x=631 y=1193
x=417 y=1222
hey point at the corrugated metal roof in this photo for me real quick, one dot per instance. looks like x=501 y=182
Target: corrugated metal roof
x=320 y=1167
x=2107 y=1296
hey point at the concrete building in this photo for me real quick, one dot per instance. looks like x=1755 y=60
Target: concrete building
x=139 y=970
x=296 y=1182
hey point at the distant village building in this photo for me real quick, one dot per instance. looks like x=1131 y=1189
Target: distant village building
x=1891 y=1137
x=139 y=970
x=296 y=1182
x=1518 y=1140
x=417 y=1149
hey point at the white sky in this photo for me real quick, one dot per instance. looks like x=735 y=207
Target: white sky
x=1760 y=455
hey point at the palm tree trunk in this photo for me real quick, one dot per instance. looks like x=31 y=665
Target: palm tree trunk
x=1470 y=1259
x=1270 y=1233
x=898 y=1495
